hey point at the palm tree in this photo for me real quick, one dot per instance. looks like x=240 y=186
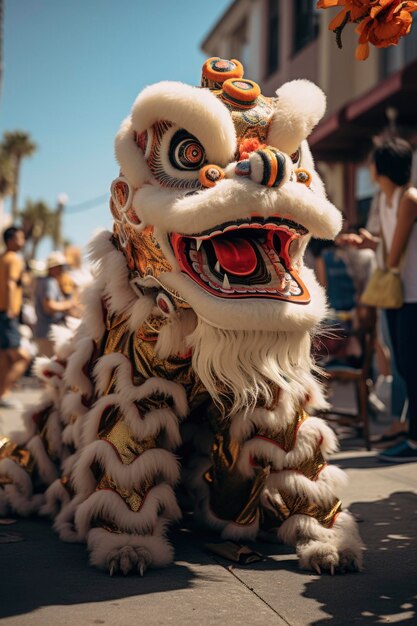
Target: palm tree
x=38 y=221
x=6 y=175
x=17 y=145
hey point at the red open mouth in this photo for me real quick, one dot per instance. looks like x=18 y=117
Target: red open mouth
x=246 y=259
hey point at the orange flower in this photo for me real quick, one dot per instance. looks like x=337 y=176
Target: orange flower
x=388 y=21
x=353 y=10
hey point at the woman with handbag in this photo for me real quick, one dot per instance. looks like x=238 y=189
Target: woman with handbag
x=394 y=286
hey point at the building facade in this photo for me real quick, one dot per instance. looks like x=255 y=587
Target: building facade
x=279 y=40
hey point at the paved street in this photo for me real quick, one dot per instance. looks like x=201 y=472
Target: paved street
x=47 y=582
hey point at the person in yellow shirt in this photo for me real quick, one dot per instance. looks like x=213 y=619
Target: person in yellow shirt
x=13 y=358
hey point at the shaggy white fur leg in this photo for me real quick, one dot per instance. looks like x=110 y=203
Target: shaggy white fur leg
x=18 y=496
x=298 y=471
x=318 y=548
x=134 y=495
x=140 y=540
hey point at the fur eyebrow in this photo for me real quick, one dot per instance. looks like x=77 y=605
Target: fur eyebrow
x=195 y=109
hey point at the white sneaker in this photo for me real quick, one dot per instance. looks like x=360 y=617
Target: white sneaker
x=375 y=403
x=383 y=389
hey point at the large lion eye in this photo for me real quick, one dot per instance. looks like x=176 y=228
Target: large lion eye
x=186 y=152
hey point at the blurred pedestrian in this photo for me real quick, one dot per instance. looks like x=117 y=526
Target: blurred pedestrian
x=80 y=275
x=14 y=358
x=51 y=303
x=343 y=272
x=389 y=386
x=391 y=171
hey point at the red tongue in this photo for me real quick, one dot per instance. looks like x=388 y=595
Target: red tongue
x=236 y=256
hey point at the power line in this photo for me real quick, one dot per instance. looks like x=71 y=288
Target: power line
x=86 y=204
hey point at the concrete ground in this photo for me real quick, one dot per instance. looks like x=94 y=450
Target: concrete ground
x=47 y=582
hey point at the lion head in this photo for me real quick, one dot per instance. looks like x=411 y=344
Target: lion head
x=218 y=197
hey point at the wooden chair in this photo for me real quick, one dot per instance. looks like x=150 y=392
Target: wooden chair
x=365 y=333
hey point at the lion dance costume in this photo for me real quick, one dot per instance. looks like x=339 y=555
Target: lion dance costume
x=192 y=361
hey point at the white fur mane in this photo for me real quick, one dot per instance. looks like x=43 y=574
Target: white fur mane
x=244 y=365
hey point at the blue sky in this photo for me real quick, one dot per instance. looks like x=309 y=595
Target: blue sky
x=72 y=69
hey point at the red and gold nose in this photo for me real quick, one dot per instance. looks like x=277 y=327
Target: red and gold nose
x=266 y=166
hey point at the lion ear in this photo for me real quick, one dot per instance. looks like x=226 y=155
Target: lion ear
x=300 y=105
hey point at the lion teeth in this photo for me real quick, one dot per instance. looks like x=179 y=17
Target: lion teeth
x=226 y=283
x=217 y=267
x=198 y=244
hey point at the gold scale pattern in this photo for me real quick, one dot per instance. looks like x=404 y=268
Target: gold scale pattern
x=133 y=498
x=115 y=432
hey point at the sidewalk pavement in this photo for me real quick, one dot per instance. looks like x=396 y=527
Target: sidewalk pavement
x=48 y=582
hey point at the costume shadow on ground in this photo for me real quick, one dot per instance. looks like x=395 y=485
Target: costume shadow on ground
x=386 y=590
x=43 y=571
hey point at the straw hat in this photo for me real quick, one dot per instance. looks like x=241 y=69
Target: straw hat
x=55 y=259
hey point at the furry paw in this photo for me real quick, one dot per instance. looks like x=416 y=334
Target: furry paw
x=318 y=556
x=322 y=557
x=128 y=559
x=350 y=561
